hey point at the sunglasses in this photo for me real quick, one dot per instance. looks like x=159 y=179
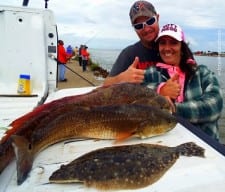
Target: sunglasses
x=139 y=26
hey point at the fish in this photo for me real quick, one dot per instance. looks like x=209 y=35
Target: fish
x=123 y=93
x=118 y=122
x=123 y=167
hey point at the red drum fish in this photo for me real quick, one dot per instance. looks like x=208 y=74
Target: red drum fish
x=123 y=167
x=123 y=93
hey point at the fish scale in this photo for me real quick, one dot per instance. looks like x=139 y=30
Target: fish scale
x=128 y=166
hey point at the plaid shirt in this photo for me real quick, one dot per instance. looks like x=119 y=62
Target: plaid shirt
x=203 y=101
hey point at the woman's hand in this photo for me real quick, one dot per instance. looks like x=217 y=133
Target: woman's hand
x=171 y=88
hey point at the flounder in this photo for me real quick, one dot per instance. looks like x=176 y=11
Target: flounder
x=123 y=167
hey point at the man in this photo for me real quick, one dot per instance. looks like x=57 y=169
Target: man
x=85 y=56
x=62 y=59
x=130 y=64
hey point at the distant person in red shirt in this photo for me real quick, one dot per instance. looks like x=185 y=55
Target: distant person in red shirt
x=85 y=56
x=63 y=57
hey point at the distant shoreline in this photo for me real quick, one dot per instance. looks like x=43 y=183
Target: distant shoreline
x=210 y=55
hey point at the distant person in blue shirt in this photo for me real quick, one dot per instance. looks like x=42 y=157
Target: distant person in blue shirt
x=69 y=51
x=194 y=89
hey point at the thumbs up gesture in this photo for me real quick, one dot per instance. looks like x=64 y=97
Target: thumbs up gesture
x=171 y=88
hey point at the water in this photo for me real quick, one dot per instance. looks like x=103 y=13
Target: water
x=106 y=58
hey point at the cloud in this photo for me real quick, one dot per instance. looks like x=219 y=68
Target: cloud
x=97 y=20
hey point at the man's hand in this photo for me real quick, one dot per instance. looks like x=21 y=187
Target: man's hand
x=132 y=74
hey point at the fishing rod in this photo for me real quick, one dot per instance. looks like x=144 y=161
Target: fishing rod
x=80 y=76
x=53 y=57
x=91 y=38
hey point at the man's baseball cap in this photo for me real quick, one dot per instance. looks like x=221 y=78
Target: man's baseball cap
x=171 y=30
x=141 y=8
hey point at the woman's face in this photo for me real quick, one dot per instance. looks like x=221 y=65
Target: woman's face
x=170 y=50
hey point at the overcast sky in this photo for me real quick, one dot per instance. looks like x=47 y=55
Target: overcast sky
x=106 y=24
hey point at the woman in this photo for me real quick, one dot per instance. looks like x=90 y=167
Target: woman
x=194 y=89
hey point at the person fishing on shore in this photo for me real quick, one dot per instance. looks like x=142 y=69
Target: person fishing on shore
x=197 y=96
x=62 y=59
x=85 y=57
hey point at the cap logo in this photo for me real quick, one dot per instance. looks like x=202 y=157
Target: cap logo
x=138 y=6
x=169 y=27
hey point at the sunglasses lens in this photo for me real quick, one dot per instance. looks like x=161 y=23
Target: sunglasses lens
x=138 y=26
x=151 y=21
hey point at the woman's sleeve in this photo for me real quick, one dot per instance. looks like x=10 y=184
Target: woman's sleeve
x=208 y=105
x=152 y=78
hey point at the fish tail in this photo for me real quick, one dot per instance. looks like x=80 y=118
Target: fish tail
x=190 y=149
x=24 y=157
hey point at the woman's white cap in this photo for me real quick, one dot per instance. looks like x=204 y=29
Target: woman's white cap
x=171 y=30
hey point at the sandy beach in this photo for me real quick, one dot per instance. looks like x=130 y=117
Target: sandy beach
x=74 y=80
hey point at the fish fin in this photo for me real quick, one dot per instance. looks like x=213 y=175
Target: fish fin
x=24 y=157
x=123 y=136
x=190 y=149
x=44 y=108
x=19 y=121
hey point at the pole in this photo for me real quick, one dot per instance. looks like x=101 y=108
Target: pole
x=25 y=2
x=46 y=4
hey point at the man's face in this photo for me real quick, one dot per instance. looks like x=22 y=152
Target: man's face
x=147 y=33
